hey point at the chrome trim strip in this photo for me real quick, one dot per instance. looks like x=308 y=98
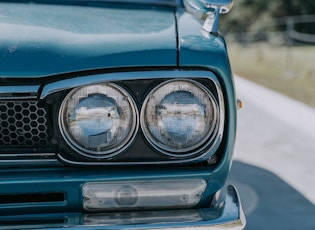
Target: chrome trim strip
x=27 y=155
x=26 y=92
x=96 y=163
x=29 y=161
x=24 y=159
x=110 y=77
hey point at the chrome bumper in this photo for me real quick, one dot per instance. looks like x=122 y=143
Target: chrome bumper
x=226 y=213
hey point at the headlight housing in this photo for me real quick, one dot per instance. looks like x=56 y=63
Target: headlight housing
x=179 y=117
x=98 y=121
x=181 y=113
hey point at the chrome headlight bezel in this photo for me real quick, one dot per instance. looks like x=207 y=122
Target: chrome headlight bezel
x=209 y=134
x=105 y=152
x=138 y=151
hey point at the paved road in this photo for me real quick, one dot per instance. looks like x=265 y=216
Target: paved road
x=274 y=167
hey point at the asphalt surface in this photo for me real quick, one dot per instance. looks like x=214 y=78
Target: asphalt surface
x=274 y=167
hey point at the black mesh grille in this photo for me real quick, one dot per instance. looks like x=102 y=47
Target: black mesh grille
x=22 y=124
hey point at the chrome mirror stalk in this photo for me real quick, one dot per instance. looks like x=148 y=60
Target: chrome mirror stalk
x=209 y=11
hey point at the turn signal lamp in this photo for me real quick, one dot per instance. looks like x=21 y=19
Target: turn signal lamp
x=106 y=196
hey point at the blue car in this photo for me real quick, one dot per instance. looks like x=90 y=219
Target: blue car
x=116 y=114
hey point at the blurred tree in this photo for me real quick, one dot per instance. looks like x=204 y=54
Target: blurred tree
x=253 y=15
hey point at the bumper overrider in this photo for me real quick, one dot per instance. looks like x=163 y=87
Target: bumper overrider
x=225 y=212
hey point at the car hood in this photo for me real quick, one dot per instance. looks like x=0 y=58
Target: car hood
x=44 y=40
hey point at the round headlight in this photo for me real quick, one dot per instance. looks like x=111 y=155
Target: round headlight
x=98 y=121
x=179 y=116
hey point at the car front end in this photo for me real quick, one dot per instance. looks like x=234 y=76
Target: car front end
x=115 y=115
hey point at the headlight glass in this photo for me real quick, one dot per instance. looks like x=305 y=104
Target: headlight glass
x=99 y=120
x=179 y=116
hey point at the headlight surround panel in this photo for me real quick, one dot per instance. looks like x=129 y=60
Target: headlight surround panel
x=200 y=90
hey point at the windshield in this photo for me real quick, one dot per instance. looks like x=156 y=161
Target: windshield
x=153 y=2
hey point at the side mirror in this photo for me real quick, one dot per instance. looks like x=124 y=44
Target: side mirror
x=209 y=9
x=224 y=5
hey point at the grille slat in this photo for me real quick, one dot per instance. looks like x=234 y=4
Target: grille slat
x=23 y=124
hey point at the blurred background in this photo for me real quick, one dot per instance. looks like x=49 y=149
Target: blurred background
x=273 y=43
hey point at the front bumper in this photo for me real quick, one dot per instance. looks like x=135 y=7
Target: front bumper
x=226 y=213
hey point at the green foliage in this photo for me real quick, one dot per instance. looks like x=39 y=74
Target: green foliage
x=249 y=15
